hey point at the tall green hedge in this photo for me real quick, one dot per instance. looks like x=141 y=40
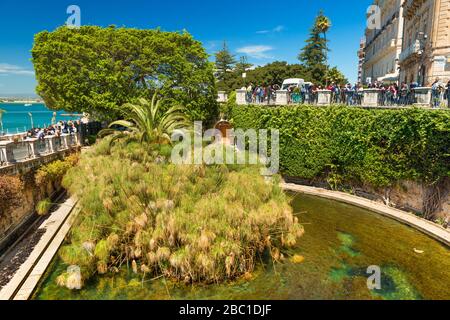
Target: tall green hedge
x=348 y=144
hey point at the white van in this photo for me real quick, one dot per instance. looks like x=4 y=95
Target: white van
x=299 y=83
x=292 y=82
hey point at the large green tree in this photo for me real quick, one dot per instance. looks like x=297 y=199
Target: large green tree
x=225 y=62
x=97 y=70
x=272 y=73
x=314 y=54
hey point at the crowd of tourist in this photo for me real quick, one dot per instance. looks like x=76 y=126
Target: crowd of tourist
x=61 y=127
x=390 y=93
x=261 y=93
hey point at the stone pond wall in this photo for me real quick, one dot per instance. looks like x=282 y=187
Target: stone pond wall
x=407 y=195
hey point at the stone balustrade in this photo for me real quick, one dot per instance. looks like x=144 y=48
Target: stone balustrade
x=12 y=153
x=282 y=97
x=241 y=97
x=222 y=97
x=323 y=97
x=370 y=98
x=423 y=96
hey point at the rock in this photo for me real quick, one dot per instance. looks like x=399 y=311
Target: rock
x=297 y=259
x=134 y=266
x=89 y=247
x=247 y=276
x=74 y=280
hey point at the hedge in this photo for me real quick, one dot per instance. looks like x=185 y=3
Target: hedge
x=343 y=144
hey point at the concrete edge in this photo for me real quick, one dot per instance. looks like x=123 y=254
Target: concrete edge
x=53 y=226
x=429 y=228
x=27 y=289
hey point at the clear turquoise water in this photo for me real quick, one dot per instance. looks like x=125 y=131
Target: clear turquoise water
x=16 y=118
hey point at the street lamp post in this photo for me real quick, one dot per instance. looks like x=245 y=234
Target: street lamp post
x=31 y=119
x=422 y=37
x=1 y=120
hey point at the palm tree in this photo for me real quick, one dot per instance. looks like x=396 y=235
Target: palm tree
x=149 y=123
x=1 y=119
x=323 y=24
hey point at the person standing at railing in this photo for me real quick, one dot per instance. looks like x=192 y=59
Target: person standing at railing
x=262 y=94
x=404 y=94
x=349 y=94
x=436 y=88
x=249 y=92
x=447 y=94
x=315 y=93
x=359 y=91
x=268 y=90
x=304 y=92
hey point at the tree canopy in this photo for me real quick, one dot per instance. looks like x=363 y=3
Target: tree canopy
x=97 y=70
x=272 y=73
x=336 y=76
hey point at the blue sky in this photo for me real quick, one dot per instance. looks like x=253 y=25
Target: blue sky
x=263 y=30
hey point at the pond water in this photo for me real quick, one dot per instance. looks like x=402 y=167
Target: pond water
x=341 y=241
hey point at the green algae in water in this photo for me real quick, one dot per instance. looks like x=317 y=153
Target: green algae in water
x=339 y=274
x=337 y=236
x=347 y=241
x=395 y=286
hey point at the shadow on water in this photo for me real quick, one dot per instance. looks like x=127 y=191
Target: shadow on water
x=340 y=243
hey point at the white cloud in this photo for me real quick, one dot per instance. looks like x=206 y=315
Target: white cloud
x=6 y=68
x=274 y=30
x=257 y=52
x=278 y=29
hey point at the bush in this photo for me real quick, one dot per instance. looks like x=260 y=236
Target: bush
x=55 y=171
x=43 y=207
x=346 y=144
x=190 y=223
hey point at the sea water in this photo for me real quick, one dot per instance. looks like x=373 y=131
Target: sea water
x=17 y=118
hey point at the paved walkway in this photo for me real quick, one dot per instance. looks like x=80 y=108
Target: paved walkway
x=27 y=277
x=427 y=227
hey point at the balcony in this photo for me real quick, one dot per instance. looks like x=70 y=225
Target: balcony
x=410 y=8
x=413 y=50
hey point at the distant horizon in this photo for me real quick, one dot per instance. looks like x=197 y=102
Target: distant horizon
x=20 y=95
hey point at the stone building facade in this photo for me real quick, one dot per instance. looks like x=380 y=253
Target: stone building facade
x=384 y=45
x=426 y=46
